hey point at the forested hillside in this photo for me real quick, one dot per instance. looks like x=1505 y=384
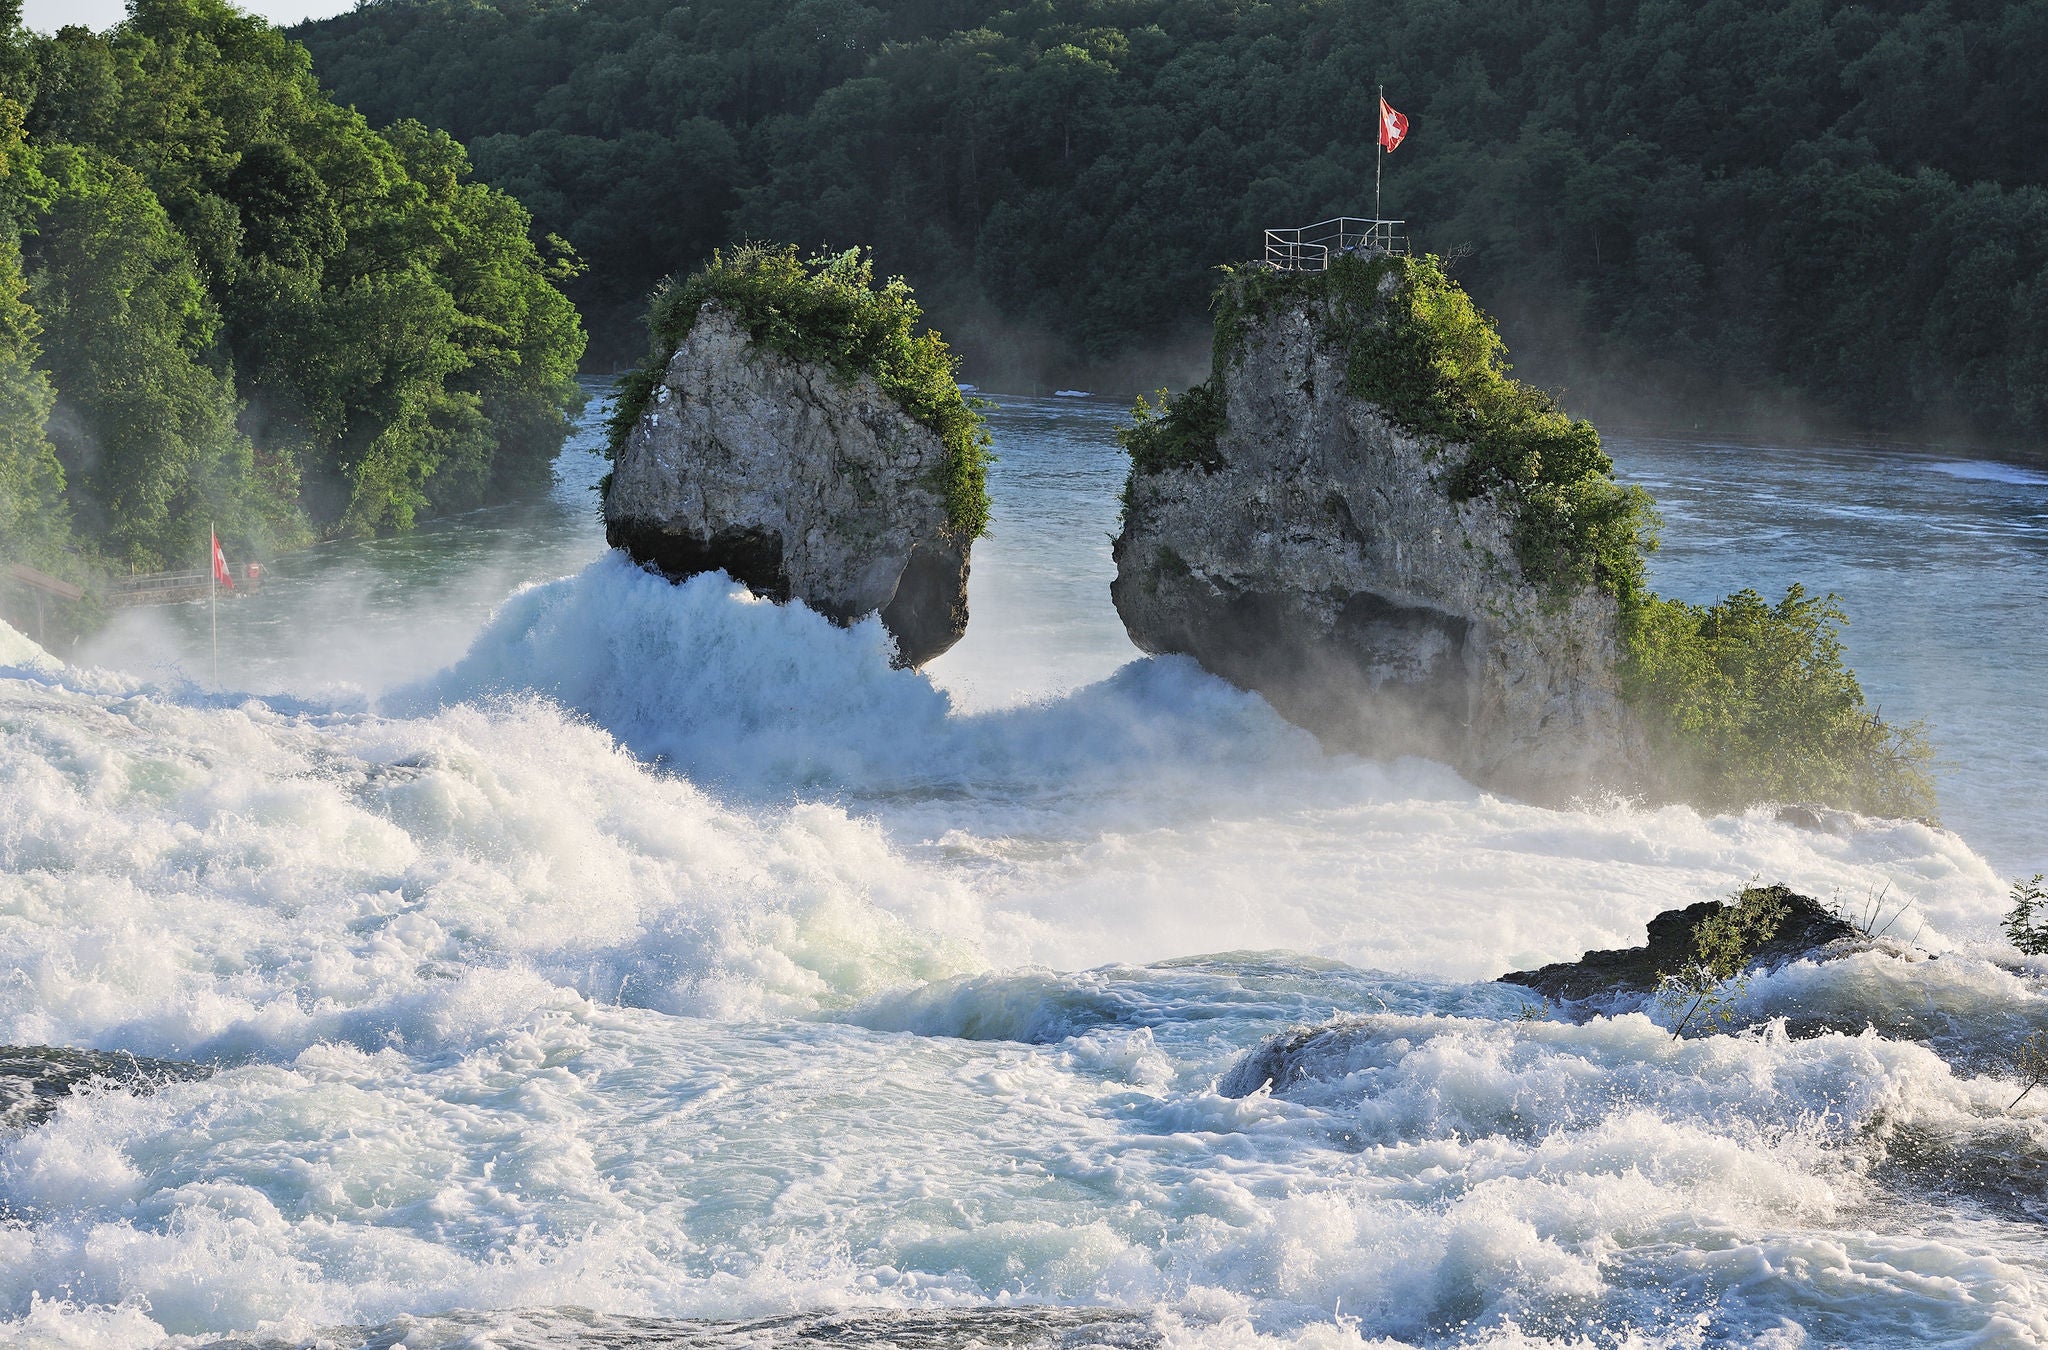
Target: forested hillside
x=1690 y=210
x=225 y=298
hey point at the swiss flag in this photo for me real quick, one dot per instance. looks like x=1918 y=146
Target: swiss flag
x=1393 y=126
x=220 y=563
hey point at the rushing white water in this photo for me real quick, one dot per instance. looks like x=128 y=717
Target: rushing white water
x=658 y=953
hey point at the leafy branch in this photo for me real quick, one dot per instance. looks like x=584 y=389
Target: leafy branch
x=1723 y=943
x=2026 y=924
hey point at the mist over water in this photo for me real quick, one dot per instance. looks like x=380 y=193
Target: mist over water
x=616 y=962
x=346 y=619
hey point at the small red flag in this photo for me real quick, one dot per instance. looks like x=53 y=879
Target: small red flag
x=220 y=563
x=1393 y=126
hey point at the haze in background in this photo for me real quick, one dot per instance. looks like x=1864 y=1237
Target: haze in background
x=47 y=16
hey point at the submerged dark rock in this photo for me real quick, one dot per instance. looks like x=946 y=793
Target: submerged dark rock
x=1807 y=930
x=796 y=483
x=1820 y=819
x=35 y=1079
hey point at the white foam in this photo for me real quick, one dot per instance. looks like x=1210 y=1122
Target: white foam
x=184 y=879
x=1212 y=824
x=520 y=990
x=17 y=651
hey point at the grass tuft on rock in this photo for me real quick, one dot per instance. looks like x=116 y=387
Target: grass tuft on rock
x=827 y=310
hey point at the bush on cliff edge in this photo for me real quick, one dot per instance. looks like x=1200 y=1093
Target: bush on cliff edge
x=1747 y=701
x=827 y=310
x=1742 y=700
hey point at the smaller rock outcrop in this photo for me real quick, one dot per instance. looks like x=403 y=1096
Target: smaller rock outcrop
x=793 y=431
x=798 y=485
x=1808 y=929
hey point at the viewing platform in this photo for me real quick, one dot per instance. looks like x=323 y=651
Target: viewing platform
x=1310 y=248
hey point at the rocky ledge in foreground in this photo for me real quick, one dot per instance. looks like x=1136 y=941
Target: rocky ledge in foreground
x=1807 y=930
x=798 y=483
x=34 y=1079
x=1297 y=539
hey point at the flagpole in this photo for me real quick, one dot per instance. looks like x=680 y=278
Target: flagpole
x=213 y=600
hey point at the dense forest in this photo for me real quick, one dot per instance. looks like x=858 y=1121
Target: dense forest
x=1705 y=210
x=225 y=298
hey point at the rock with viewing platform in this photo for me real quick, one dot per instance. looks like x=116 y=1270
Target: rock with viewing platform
x=1309 y=525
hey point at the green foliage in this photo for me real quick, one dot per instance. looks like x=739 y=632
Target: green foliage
x=145 y=426
x=34 y=519
x=1723 y=944
x=1176 y=433
x=2026 y=923
x=1676 y=211
x=1745 y=700
x=256 y=311
x=828 y=310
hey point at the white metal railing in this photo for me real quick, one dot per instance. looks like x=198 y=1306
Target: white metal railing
x=1312 y=247
x=159 y=588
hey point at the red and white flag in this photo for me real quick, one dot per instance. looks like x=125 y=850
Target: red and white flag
x=1393 y=126
x=220 y=563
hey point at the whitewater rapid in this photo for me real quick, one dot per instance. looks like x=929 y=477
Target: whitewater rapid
x=667 y=965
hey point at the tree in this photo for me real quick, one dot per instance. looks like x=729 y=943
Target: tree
x=144 y=426
x=258 y=311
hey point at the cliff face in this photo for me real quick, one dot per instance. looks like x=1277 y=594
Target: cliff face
x=799 y=484
x=1318 y=558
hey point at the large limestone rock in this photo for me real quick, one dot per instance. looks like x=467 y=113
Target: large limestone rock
x=1324 y=565
x=799 y=485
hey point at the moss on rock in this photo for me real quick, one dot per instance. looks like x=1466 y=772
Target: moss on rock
x=827 y=310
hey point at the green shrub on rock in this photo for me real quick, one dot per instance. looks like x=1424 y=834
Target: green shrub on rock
x=1746 y=701
x=1713 y=981
x=827 y=310
x=1176 y=432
